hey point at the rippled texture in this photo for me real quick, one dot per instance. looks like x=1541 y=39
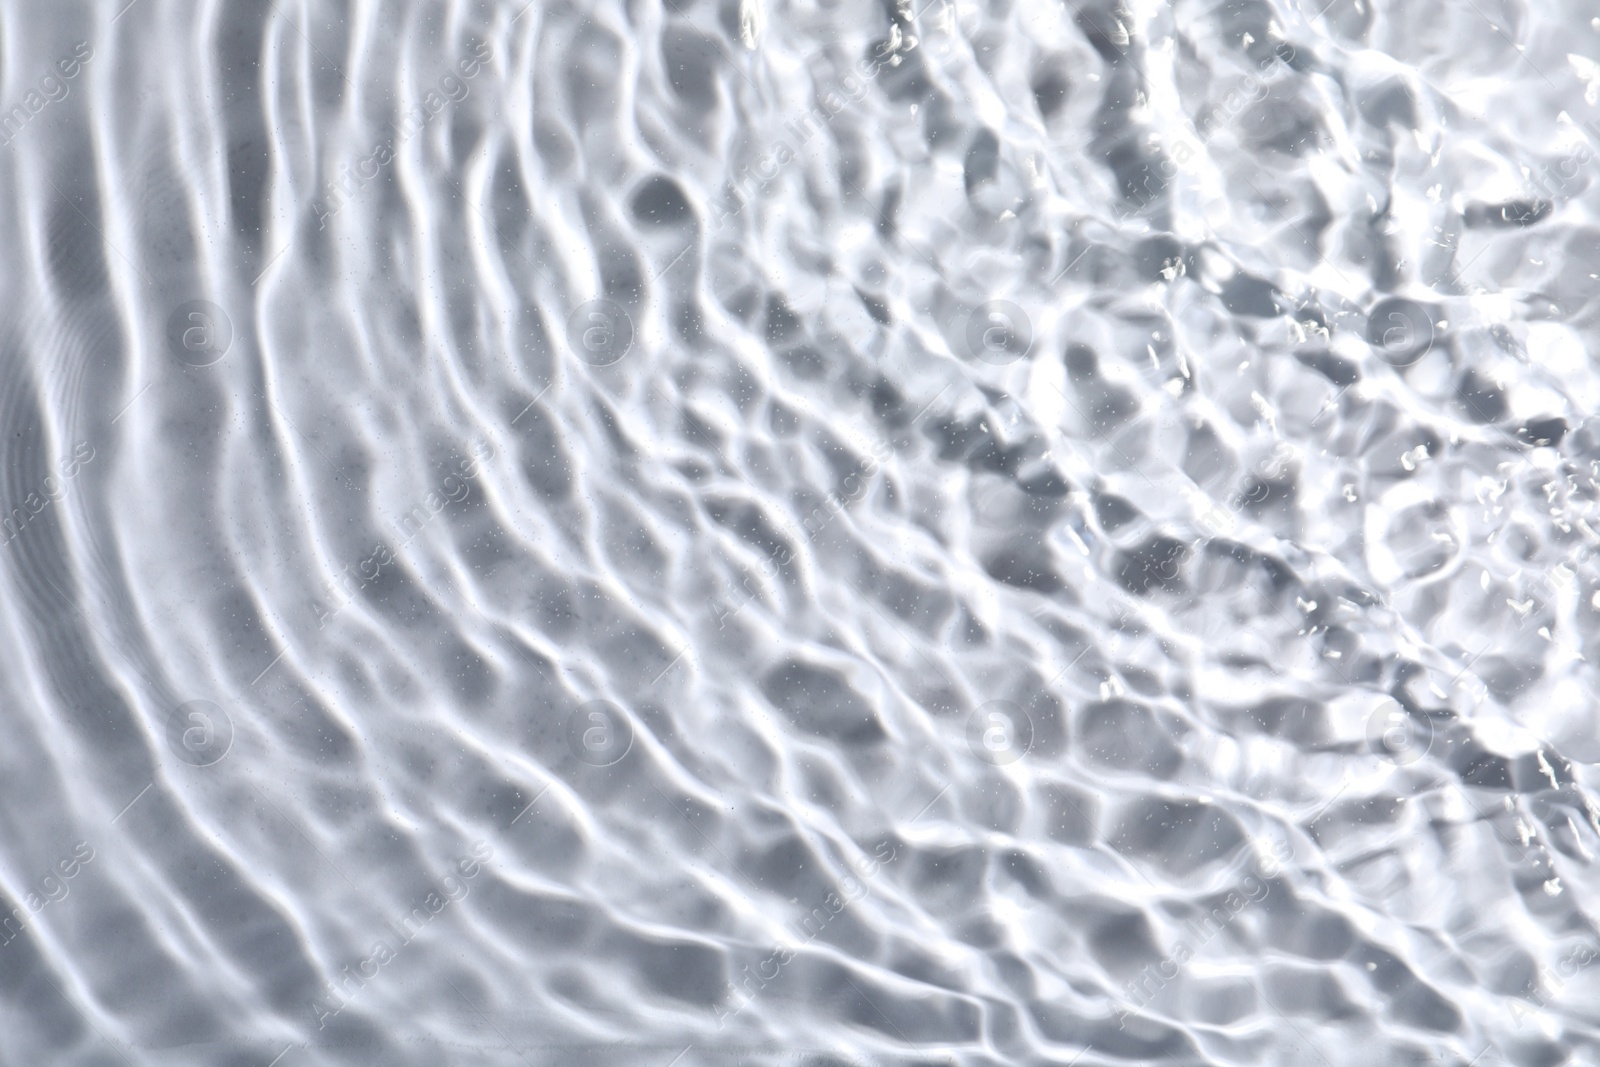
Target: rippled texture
x=826 y=533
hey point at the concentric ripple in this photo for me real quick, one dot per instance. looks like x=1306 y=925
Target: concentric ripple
x=799 y=533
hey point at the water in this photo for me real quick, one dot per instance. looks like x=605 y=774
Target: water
x=761 y=533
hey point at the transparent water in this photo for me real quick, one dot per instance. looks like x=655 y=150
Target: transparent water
x=754 y=533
